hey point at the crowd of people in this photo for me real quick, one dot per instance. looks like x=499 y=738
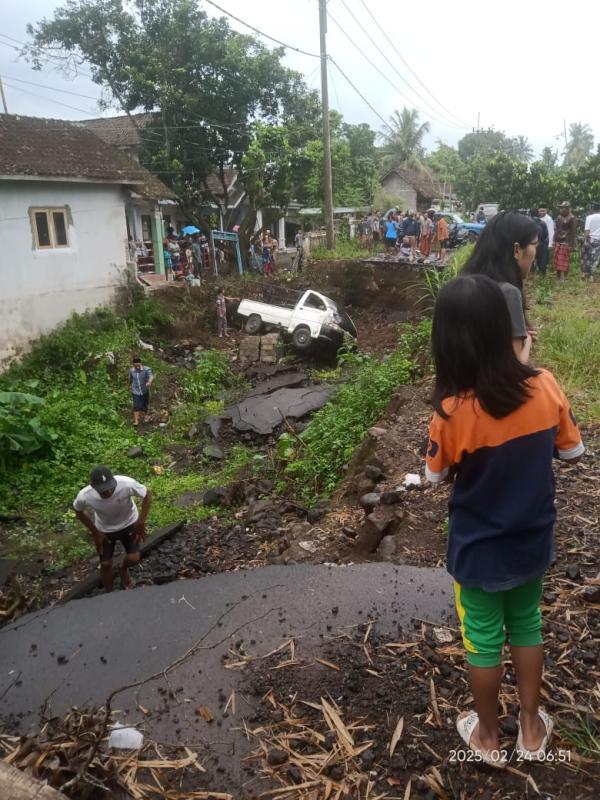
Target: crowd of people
x=189 y=258
x=412 y=235
x=559 y=238
x=262 y=255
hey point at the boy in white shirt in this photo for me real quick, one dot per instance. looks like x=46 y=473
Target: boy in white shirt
x=115 y=519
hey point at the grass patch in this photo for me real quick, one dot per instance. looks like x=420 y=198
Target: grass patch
x=433 y=278
x=567 y=317
x=167 y=487
x=79 y=372
x=583 y=735
x=315 y=458
x=344 y=249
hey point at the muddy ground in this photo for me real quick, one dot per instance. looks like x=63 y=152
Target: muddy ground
x=371 y=686
x=422 y=681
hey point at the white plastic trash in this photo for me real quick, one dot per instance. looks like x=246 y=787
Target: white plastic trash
x=125 y=738
x=443 y=635
x=411 y=479
x=310 y=547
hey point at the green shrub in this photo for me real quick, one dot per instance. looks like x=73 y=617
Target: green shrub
x=63 y=351
x=435 y=277
x=148 y=316
x=315 y=461
x=21 y=430
x=344 y=248
x=210 y=375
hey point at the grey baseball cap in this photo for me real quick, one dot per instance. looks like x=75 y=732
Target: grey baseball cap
x=102 y=479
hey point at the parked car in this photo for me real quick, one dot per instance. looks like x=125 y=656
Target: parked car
x=461 y=232
x=305 y=317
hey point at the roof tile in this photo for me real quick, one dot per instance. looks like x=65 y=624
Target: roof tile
x=54 y=148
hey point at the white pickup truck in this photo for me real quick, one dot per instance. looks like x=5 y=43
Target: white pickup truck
x=313 y=316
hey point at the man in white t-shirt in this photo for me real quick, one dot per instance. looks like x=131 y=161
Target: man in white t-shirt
x=549 y=223
x=590 y=249
x=115 y=518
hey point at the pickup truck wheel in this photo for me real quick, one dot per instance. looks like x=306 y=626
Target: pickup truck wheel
x=301 y=337
x=253 y=324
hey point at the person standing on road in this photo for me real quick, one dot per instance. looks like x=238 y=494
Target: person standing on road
x=197 y=257
x=140 y=381
x=590 y=248
x=391 y=232
x=410 y=231
x=115 y=519
x=426 y=233
x=375 y=227
x=565 y=232
x=480 y=218
x=441 y=236
x=496 y=427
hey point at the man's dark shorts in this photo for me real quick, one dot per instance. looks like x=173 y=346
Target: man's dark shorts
x=125 y=536
x=140 y=401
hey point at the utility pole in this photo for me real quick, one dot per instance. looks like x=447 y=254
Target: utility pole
x=565 y=132
x=3 y=96
x=326 y=134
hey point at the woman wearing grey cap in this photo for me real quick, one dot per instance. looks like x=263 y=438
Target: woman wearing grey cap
x=114 y=518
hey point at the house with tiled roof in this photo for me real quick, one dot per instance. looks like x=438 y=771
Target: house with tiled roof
x=68 y=200
x=127 y=133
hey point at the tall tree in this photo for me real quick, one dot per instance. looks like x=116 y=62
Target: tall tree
x=403 y=140
x=444 y=162
x=353 y=165
x=484 y=141
x=579 y=144
x=549 y=158
x=208 y=84
x=520 y=149
x=492 y=178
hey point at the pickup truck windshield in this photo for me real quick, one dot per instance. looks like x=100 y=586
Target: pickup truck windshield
x=313 y=301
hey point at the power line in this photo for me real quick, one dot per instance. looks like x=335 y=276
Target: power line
x=52 y=88
x=392 y=65
x=59 y=61
x=49 y=99
x=260 y=33
x=383 y=75
x=358 y=92
x=407 y=65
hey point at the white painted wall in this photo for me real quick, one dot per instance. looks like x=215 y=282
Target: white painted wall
x=41 y=288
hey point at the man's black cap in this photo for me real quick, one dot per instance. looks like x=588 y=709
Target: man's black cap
x=102 y=479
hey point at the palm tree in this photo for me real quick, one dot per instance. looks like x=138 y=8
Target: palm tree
x=403 y=140
x=521 y=150
x=579 y=144
x=549 y=158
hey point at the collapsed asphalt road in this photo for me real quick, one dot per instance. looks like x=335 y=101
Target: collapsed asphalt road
x=180 y=635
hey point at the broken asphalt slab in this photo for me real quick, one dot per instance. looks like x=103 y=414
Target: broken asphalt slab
x=280 y=381
x=77 y=654
x=263 y=413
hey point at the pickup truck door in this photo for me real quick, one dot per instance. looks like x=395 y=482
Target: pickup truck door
x=311 y=311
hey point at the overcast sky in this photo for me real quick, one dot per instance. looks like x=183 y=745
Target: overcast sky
x=523 y=67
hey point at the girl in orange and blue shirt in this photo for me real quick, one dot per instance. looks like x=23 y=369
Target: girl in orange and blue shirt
x=497 y=425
